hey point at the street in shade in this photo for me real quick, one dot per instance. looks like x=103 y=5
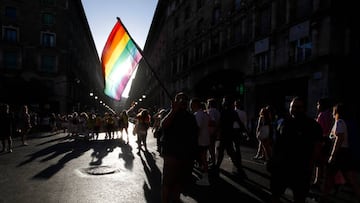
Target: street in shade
x=57 y=168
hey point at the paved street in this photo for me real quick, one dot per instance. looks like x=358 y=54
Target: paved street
x=56 y=168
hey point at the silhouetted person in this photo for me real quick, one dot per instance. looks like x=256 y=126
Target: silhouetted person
x=341 y=157
x=179 y=148
x=228 y=134
x=264 y=136
x=214 y=127
x=142 y=125
x=295 y=150
x=202 y=119
x=326 y=120
x=24 y=124
x=6 y=127
x=124 y=125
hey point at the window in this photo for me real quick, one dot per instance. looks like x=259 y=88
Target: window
x=263 y=61
x=176 y=42
x=48 y=63
x=175 y=65
x=66 y=4
x=237 y=5
x=244 y=30
x=10 y=34
x=198 y=51
x=215 y=43
x=48 y=2
x=237 y=32
x=185 y=59
x=303 y=8
x=264 y=22
x=302 y=49
x=47 y=39
x=281 y=14
x=216 y=15
x=199 y=26
x=10 y=60
x=48 y=19
x=187 y=13
x=187 y=35
x=199 y=4
x=10 y=12
x=176 y=23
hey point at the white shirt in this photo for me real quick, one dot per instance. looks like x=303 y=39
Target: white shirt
x=214 y=115
x=202 y=120
x=242 y=115
x=340 y=127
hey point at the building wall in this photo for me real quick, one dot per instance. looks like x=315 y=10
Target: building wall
x=276 y=48
x=73 y=66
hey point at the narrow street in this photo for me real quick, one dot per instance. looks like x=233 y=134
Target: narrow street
x=57 y=168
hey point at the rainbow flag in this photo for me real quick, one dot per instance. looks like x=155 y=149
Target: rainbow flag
x=119 y=59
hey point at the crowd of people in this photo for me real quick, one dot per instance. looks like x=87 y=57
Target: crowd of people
x=86 y=125
x=195 y=134
x=298 y=151
x=13 y=123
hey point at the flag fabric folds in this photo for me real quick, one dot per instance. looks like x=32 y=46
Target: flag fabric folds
x=119 y=59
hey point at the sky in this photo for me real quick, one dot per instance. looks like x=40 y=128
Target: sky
x=136 y=15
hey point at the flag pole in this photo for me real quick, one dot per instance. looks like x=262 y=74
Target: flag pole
x=147 y=63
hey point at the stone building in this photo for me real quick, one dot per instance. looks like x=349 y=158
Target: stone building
x=260 y=51
x=48 y=58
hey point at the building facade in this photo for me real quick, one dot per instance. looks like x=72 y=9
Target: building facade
x=48 y=58
x=263 y=52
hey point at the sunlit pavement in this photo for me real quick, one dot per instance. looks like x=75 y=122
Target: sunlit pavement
x=58 y=168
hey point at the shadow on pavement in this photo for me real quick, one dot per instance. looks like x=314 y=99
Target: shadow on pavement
x=223 y=189
x=152 y=189
x=127 y=155
x=72 y=149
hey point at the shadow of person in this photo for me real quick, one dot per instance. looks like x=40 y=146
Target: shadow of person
x=127 y=155
x=102 y=149
x=55 y=150
x=153 y=190
x=72 y=150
